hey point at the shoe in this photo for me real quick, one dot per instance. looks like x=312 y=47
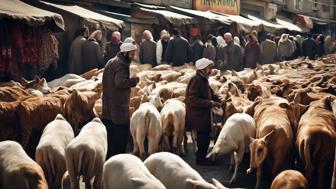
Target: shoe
x=206 y=163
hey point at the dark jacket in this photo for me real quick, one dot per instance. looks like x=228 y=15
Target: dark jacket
x=197 y=49
x=147 y=52
x=179 y=51
x=210 y=53
x=116 y=90
x=234 y=59
x=309 y=48
x=92 y=55
x=198 y=103
x=111 y=50
x=252 y=54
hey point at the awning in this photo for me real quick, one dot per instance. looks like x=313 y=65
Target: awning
x=207 y=15
x=88 y=15
x=268 y=26
x=289 y=25
x=171 y=17
x=303 y=21
x=243 y=23
x=33 y=16
x=319 y=21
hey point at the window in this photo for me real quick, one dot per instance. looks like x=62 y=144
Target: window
x=298 y=4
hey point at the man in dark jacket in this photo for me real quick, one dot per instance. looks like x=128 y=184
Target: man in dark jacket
x=117 y=86
x=112 y=47
x=179 y=51
x=233 y=55
x=197 y=48
x=309 y=47
x=199 y=100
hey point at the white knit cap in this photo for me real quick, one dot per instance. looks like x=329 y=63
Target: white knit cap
x=128 y=45
x=203 y=63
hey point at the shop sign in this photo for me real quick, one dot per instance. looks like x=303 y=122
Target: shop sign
x=224 y=6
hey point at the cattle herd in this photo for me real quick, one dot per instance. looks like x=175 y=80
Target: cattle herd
x=283 y=115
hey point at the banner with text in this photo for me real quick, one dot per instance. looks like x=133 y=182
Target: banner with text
x=224 y=6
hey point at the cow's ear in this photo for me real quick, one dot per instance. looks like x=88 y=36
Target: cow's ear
x=137 y=181
x=144 y=98
x=268 y=136
x=303 y=108
x=217 y=184
x=37 y=78
x=24 y=82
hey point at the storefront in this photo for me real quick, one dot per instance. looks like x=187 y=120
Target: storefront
x=27 y=42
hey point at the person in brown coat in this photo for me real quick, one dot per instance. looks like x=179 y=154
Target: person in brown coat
x=252 y=51
x=92 y=55
x=117 y=86
x=199 y=100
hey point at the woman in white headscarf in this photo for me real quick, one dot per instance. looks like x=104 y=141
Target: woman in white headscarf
x=329 y=45
x=285 y=46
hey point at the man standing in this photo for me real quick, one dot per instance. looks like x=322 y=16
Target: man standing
x=199 y=100
x=75 y=53
x=179 y=51
x=112 y=47
x=269 y=50
x=233 y=54
x=252 y=51
x=117 y=86
x=309 y=47
x=147 y=53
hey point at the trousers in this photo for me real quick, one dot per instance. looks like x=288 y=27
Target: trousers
x=203 y=141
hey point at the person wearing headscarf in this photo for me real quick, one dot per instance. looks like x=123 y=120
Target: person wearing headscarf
x=75 y=52
x=236 y=41
x=210 y=48
x=320 y=45
x=113 y=46
x=147 y=52
x=92 y=52
x=161 y=47
x=285 y=46
x=252 y=51
x=329 y=45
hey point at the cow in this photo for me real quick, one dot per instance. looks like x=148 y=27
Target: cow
x=290 y=179
x=232 y=139
x=79 y=108
x=37 y=112
x=174 y=173
x=315 y=142
x=173 y=125
x=50 y=152
x=274 y=138
x=85 y=155
x=146 y=122
x=9 y=125
x=18 y=170
x=131 y=173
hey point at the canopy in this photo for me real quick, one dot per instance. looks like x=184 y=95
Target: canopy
x=89 y=16
x=289 y=25
x=172 y=17
x=243 y=24
x=33 y=16
x=212 y=17
x=304 y=21
x=267 y=25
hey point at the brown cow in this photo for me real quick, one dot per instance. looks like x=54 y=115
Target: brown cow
x=13 y=93
x=9 y=126
x=37 y=112
x=290 y=179
x=271 y=149
x=316 y=137
x=79 y=108
x=18 y=171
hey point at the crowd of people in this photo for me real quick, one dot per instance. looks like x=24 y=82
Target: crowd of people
x=228 y=52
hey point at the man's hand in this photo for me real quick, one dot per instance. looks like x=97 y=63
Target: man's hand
x=215 y=104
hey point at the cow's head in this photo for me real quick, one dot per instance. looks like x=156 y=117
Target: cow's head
x=259 y=150
x=301 y=96
x=253 y=91
x=294 y=112
x=37 y=84
x=330 y=104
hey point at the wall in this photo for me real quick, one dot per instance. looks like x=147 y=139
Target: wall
x=262 y=9
x=308 y=8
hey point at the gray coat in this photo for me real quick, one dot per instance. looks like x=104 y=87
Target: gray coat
x=233 y=57
x=116 y=90
x=147 y=52
x=75 y=55
x=92 y=55
x=269 y=51
x=179 y=51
